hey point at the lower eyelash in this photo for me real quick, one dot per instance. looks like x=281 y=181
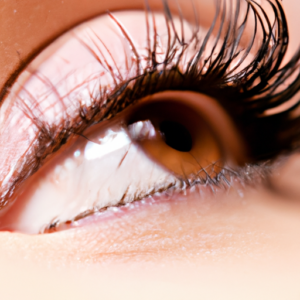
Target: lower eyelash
x=248 y=176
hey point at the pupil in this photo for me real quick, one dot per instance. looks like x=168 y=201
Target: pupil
x=176 y=136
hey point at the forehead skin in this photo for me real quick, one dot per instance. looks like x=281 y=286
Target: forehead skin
x=254 y=266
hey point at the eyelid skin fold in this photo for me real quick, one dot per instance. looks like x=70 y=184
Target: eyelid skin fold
x=30 y=45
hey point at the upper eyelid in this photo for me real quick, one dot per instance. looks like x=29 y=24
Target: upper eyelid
x=21 y=59
x=18 y=59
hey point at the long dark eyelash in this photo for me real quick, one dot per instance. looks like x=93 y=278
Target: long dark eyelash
x=247 y=94
x=238 y=92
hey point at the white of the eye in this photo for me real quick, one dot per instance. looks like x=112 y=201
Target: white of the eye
x=111 y=142
x=91 y=175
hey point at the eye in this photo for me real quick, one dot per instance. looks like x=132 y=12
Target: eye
x=163 y=144
x=181 y=108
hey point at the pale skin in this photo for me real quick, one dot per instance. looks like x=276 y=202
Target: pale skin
x=227 y=247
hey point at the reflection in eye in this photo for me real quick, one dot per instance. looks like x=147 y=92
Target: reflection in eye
x=115 y=153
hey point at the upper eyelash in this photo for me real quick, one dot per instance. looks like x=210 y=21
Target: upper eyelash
x=234 y=91
x=237 y=92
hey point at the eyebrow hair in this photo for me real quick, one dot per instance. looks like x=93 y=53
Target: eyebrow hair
x=234 y=91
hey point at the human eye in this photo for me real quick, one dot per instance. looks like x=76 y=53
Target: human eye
x=69 y=105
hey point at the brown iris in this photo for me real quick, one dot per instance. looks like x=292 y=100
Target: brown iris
x=183 y=141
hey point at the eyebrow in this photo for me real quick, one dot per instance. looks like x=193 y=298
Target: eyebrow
x=214 y=82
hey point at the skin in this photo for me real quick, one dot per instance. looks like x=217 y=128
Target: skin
x=220 y=247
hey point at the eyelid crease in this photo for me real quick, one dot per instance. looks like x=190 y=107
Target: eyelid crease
x=213 y=81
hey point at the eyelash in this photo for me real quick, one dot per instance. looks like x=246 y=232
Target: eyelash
x=249 y=175
x=237 y=92
x=246 y=102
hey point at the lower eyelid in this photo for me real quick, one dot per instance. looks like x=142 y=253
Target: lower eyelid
x=165 y=230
